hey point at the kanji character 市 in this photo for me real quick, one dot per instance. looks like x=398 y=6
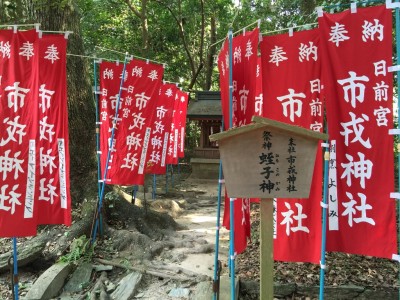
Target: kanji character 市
x=141 y=100
x=160 y=112
x=45 y=97
x=243 y=99
x=16 y=96
x=353 y=88
x=292 y=104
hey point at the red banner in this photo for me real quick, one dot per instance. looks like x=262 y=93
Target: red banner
x=156 y=163
x=295 y=100
x=172 y=150
x=18 y=129
x=141 y=88
x=52 y=152
x=244 y=81
x=183 y=104
x=357 y=51
x=110 y=82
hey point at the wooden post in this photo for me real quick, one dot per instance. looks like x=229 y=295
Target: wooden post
x=266 y=249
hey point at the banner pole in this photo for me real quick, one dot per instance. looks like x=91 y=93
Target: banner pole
x=97 y=125
x=103 y=183
x=217 y=267
x=172 y=175
x=166 y=180
x=15 y=265
x=179 y=169
x=154 y=186
x=397 y=14
x=324 y=214
x=231 y=202
x=96 y=97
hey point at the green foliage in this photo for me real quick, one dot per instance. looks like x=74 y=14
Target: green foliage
x=81 y=248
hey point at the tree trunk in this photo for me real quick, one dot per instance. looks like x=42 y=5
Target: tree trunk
x=55 y=15
x=210 y=55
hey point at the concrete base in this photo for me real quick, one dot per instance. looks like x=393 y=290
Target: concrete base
x=205 y=168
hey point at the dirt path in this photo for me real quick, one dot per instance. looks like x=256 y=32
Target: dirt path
x=195 y=245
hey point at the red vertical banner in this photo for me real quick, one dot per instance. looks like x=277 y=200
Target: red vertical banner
x=161 y=130
x=110 y=82
x=295 y=100
x=53 y=187
x=357 y=51
x=172 y=149
x=183 y=104
x=18 y=131
x=244 y=82
x=142 y=81
x=259 y=95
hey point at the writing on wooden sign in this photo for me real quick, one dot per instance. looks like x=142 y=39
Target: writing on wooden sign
x=266 y=161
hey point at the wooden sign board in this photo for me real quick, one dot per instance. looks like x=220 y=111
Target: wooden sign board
x=268 y=159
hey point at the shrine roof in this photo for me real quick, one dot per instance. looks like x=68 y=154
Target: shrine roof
x=206 y=105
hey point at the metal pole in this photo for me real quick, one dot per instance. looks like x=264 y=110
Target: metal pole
x=231 y=202
x=166 y=180
x=216 y=264
x=324 y=213
x=154 y=186
x=97 y=139
x=103 y=184
x=15 y=264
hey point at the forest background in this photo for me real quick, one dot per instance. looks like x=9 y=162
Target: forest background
x=184 y=34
